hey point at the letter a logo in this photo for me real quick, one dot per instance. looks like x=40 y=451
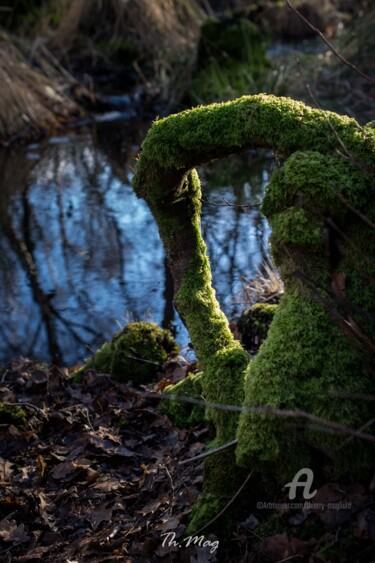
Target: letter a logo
x=306 y=484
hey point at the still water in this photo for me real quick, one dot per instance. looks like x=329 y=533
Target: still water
x=80 y=255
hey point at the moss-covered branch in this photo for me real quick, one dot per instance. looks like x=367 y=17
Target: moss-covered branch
x=326 y=254
x=166 y=179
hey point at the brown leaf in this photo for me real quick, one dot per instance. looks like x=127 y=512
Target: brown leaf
x=150 y=507
x=98 y=516
x=170 y=524
x=6 y=469
x=10 y=532
x=108 y=447
x=68 y=468
x=108 y=486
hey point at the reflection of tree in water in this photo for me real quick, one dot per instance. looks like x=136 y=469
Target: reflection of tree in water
x=63 y=243
x=236 y=236
x=79 y=253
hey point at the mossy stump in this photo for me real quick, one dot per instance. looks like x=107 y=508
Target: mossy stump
x=319 y=352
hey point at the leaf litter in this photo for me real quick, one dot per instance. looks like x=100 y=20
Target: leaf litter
x=93 y=475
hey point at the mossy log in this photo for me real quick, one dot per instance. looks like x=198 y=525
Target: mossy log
x=320 y=205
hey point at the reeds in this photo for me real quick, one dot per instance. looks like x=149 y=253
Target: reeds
x=31 y=100
x=266 y=287
x=164 y=33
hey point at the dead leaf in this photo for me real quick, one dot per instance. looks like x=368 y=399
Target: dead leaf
x=6 y=469
x=150 y=507
x=96 y=517
x=11 y=532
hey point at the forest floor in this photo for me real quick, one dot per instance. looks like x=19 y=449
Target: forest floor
x=90 y=471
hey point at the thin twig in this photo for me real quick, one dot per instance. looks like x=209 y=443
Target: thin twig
x=230 y=204
x=354 y=210
x=210 y=452
x=354 y=396
x=283 y=413
x=347 y=155
x=227 y=505
x=347 y=440
x=142 y=360
x=329 y=45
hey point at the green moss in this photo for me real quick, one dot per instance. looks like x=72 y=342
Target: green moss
x=296 y=226
x=221 y=480
x=186 y=139
x=204 y=510
x=313 y=343
x=304 y=357
x=231 y=59
x=135 y=354
x=13 y=414
x=230 y=40
x=223 y=382
x=184 y=414
x=312 y=180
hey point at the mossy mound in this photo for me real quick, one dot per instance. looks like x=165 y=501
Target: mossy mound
x=254 y=324
x=231 y=59
x=184 y=414
x=136 y=353
x=230 y=40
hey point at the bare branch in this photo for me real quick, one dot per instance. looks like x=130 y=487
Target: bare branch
x=227 y=203
x=283 y=413
x=354 y=396
x=354 y=210
x=228 y=504
x=330 y=46
x=208 y=453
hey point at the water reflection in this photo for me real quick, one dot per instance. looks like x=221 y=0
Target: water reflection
x=80 y=254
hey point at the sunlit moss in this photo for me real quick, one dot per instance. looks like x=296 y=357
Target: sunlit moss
x=184 y=414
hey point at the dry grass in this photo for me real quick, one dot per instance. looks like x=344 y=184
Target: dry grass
x=165 y=33
x=265 y=287
x=31 y=100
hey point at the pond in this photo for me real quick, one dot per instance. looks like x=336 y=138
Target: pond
x=80 y=255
